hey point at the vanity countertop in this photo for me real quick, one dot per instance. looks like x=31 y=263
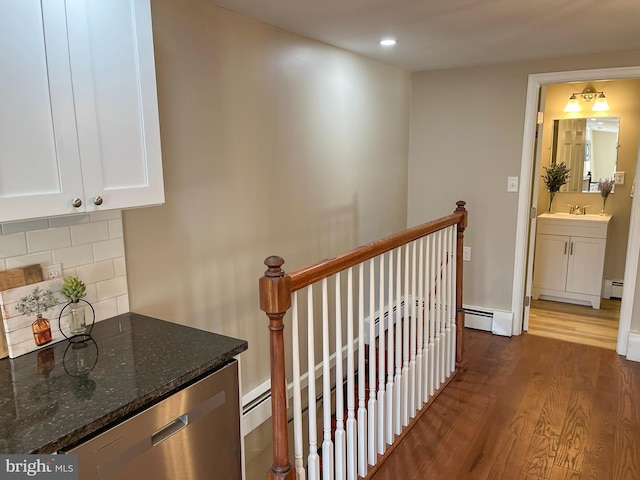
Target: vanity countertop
x=57 y=396
x=588 y=217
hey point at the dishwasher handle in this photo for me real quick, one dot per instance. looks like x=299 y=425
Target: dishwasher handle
x=169 y=429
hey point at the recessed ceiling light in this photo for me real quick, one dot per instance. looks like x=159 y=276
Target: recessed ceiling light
x=388 y=42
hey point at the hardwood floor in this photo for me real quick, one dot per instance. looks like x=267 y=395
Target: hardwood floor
x=576 y=323
x=528 y=407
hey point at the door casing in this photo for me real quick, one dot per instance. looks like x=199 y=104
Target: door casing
x=522 y=267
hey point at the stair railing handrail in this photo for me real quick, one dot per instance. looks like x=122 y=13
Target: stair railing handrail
x=276 y=287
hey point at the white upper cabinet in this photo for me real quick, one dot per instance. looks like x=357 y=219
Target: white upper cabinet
x=79 y=117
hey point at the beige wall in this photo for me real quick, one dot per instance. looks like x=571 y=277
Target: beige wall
x=466 y=139
x=623 y=97
x=272 y=144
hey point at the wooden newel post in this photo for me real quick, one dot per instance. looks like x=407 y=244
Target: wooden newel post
x=462 y=224
x=275 y=300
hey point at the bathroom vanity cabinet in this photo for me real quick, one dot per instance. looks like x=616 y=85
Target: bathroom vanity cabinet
x=569 y=258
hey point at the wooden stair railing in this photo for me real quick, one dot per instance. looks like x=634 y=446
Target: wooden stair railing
x=276 y=290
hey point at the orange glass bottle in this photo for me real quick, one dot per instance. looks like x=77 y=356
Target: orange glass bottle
x=41 y=330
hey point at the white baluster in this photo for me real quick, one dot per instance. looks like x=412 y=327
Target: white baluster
x=351 y=407
x=327 y=444
x=446 y=304
x=340 y=458
x=405 y=341
x=362 y=410
x=371 y=410
x=314 y=460
x=420 y=320
x=438 y=346
x=432 y=315
x=397 y=384
x=427 y=295
x=381 y=361
x=450 y=303
x=443 y=312
x=389 y=390
x=298 y=452
x=413 y=339
x=454 y=312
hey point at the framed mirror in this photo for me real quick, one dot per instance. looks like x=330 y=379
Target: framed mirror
x=589 y=147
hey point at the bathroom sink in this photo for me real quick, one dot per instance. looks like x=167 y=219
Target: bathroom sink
x=591 y=217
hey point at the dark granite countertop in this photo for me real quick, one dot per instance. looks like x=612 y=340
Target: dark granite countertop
x=59 y=395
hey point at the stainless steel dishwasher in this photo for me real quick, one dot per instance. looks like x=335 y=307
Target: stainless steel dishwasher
x=192 y=435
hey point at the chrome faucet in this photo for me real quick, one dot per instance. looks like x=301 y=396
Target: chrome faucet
x=577 y=209
x=573 y=209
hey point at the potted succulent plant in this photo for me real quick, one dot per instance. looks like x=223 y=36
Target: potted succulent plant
x=557 y=174
x=38 y=302
x=75 y=290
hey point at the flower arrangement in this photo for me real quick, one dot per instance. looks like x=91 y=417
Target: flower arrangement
x=557 y=174
x=38 y=301
x=605 y=186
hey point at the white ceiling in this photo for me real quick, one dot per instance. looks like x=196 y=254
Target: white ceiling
x=434 y=34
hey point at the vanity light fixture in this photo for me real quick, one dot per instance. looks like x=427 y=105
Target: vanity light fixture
x=588 y=94
x=572 y=104
x=601 y=104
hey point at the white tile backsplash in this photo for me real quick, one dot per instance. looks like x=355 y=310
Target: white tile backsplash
x=89 y=246
x=13 y=244
x=115 y=229
x=74 y=256
x=96 y=272
x=106 y=309
x=120 y=267
x=123 y=303
x=90 y=232
x=43 y=258
x=112 y=288
x=108 y=250
x=40 y=240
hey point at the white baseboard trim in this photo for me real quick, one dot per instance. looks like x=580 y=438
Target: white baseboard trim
x=633 y=350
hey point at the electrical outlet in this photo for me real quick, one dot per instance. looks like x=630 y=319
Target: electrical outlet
x=512 y=184
x=52 y=271
x=466 y=254
x=619 y=178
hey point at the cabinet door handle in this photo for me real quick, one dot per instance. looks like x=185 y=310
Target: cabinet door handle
x=565 y=248
x=571 y=252
x=97 y=200
x=76 y=202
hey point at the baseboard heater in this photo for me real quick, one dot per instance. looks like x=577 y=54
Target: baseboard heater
x=499 y=322
x=478 y=319
x=612 y=289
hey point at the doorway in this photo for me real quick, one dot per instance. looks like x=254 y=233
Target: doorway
x=523 y=270
x=587 y=142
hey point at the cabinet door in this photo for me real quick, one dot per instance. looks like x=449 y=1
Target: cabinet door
x=584 y=273
x=551 y=258
x=111 y=51
x=39 y=165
